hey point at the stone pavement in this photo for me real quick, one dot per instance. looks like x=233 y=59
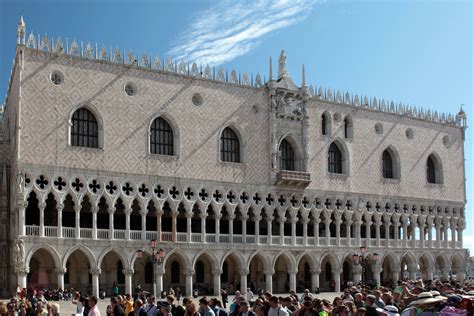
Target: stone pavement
x=67 y=308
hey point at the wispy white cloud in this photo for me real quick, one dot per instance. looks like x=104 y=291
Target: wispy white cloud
x=232 y=28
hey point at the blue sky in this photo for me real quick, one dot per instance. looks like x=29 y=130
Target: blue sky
x=416 y=52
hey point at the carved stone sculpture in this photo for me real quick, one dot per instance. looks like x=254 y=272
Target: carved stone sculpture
x=18 y=253
x=20 y=180
x=282 y=70
x=89 y=51
x=31 y=41
x=74 y=48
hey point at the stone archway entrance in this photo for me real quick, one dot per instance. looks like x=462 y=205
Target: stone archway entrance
x=111 y=273
x=43 y=270
x=77 y=273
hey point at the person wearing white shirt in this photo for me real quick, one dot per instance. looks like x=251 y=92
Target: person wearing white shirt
x=275 y=308
x=249 y=296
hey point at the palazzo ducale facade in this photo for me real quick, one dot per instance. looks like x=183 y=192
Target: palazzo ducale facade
x=242 y=181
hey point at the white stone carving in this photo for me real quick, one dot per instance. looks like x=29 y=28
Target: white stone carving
x=375 y=104
x=207 y=73
x=258 y=81
x=338 y=97
x=347 y=98
x=89 y=51
x=311 y=90
x=220 y=75
x=408 y=109
x=246 y=79
x=18 y=253
x=356 y=100
x=289 y=107
x=145 y=62
x=392 y=107
x=366 y=102
x=400 y=109
x=59 y=48
x=329 y=95
x=282 y=70
x=31 y=41
x=233 y=77
x=45 y=43
x=383 y=107
x=320 y=92
x=157 y=63
x=131 y=57
x=169 y=66
x=117 y=56
x=194 y=70
x=103 y=53
x=182 y=68
x=74 y=48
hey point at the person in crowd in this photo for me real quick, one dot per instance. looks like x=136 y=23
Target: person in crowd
x=191 y=309
x=92 y=304
x=204 y=308
x=76 y=300
x=244 y=309
x=128 y=304
x=275 y=308
x=137 y=309
x=116 y=308
x=151 y=309
x=165 y=309
x=41 y=309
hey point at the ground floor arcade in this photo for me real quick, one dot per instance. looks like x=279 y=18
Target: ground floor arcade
x=93 y=267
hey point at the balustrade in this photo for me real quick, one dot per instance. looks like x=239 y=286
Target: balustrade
x=50 y=231
x=85 y=233
x=135 y=234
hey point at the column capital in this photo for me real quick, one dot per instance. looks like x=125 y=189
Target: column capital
x=42 y=206
x=189 y=273
x=94 y=209
x=159 y=213
x=22 y=270
x=243 y=271
x=174 y=213
x=257 y=218
x=245 y=217
x=189 y=214
x=127 y=211
x=218 y=216
x=216 y=272
x=60 y=207
x=294 y=220
x=95 y=271
x=203 y=215
x=269 y=272
x=128 y=272
x=315 y=271
x=77 y=207
x=231 y=217
x=270 y=218
x=60 y=270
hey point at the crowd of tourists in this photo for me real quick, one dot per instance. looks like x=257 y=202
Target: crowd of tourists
x=408 y=298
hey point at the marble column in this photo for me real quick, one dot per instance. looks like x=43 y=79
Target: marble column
x=77 y=210
x=21 y=220
x=111 y=222
x=174 y=225
x=127 y=212
x=95 y=281
x=387 y=233
x=257 y=230
x=216 y=275
x=396 y=226
x=314 y=280
x=438 y=235
x=358 y=225
x=231 y=228
x=405 y=234
x=21 y=274
x=292 y=280
x=430 y=235
x=327 y=222
x=293 y=221
x=376 y=270
x=338 y=232
x=269 y=281
x=60 y=208
x=453 y=235
x=128 y=280
x=460 y=229
x=189 y=216
x=143 y=213
x=42 y=206
x=243 y=280
x=348 y=233
x=244 y=228
x=422 y=235
x=94 y=211
x=412 y=271
x=281 y=221
x=269 y=229
x=203 y=217
x=159 y=280
x=60 y=273
x=337 y=280
x=159 y=213
x=445 y=231
x=368 y=224
x=217 y=218
x=413 y=231
x=305 y=231
x=395 y=275
x=316 y=231
x=189 y=283
x=377 y=233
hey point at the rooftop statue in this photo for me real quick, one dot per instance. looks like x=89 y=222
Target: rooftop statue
x=282 y=70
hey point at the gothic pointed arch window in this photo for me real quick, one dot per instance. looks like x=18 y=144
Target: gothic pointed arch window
x=161 y=137
x=84 y=129
x=434 y=172
x=230 y=146
x=387 y=165
x=335 y=159
x=287 y=156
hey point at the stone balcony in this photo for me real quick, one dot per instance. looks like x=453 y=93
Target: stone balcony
x=293 y=178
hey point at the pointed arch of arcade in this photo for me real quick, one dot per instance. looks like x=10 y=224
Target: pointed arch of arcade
x=347 y=269
x=390 y=269
x=85 y=251
x=458 y=266
x=114 y=250
x=426 y=265
x=206 y=268
x=257 y=273
x=234 y=276
x=306 y=265
x=408 y=261
x=54 y=254
x=284 y=278
x=239 y=258
x=182 y=255
x=329 y=276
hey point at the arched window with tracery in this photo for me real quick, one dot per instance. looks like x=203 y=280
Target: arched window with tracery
x=287 y=156
x=230 y=146
x=84 y=129
x=161 y=137
x=334 y=159
x=387 y=165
